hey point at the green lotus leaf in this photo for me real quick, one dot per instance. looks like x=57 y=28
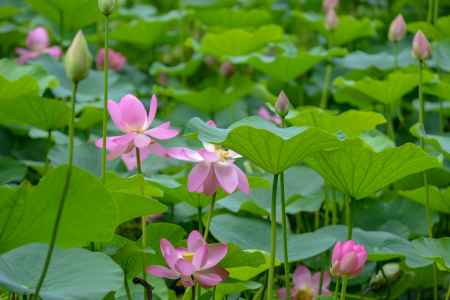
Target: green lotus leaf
x=440 y=142
x=208 y=3
x=11 y=170
x=439 y=198
x=437 y=250
x=74 y=274
x=440 y=89
x=357 y=170
x=183 y=69
x=233 y=18
x=236 y=42
x=272 y=148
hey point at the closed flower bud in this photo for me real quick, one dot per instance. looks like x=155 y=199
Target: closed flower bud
x=106 y=6
x=348 y=259
x=78 y=59
x=421 y=48
x=397 y=30
x=331 y=20
x=329 y=5
x=282 y=104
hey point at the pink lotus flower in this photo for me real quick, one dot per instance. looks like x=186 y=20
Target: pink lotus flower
x=421 y=48
x=38 y=43
x=266 y=115
x=329 y=5
x=197 y=263
x=215 y=168
x=397 y=30
x=130 y=116
x=306 y=285
x=348 y=259
x=116 y=60
x=331 y=20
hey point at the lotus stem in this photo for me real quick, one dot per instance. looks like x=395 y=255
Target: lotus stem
x=63 y=198
x=105 y=98
x=199 y=219
x=326 y=84
x=348 y=217
x=336 y=289
x=210 y=214
x=61 y=28
x=344 y=288
x=430 y=11
x=396 y=54
x=285 y=237
x=320 y=283
x=143 y=220
x=436 y=11
x=273 y=219
x=391 y=129
x=127 y=287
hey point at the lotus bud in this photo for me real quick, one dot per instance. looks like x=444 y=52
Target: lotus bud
x=397 y=30
x=348 y=259
x=329 y=5
x=331 y=20
x=282 y=104
x=106 y=6
x=78 y=60
x=421 y=48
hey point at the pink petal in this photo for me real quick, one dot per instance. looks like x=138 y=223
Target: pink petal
x=210 y=185
x=216 y=252
x=195 y=241
x=38 y=39
x=302 y=277
x=117 y=145
x=141 y=140
x=208 y=156
x=187 y=281
x=134 y=116
x=162 y=132
x=226 y=176
x=197 y=176
x=243 y=181
x=169 y=253
x=25 y=55
x=116 y=115
x=337 y=252
x=185 y=154
x=200 y=257
x=264 y=113
x=281 y=293
x=153 y=109
x=54 y=51
x=315 y=282
x=211 y=277
x=156 y=149
x=160 y=271
x=184 y=267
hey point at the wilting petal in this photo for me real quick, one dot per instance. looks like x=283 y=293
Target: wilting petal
x=160 y=271
x=243 y=180
x=211 y=277
x=302 y=277
x=195 y=241
x=226 y=176
x=116 y=115
x=184 y=267
x=216 y=252
x=142 y=140
x=134 y=116
x=153 y=109
x=200 y=257
x=162 y=132
x=197 y=176
x=54 y=51
x=185 y=154
x=210 y=185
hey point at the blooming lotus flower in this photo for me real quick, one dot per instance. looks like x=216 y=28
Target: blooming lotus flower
x=215 y=168
x=328 y=5
x=348 y=259
x=116 y=60
x=38 y=43
x=266 y=115
x=397 y=30
x=196 y=263
x=130 y=116
x=331 y=20
x=421 y=48
x=306 y=285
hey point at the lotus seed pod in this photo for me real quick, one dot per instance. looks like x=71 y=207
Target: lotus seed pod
x=282 y=104
x=421 y=48
x=397 y=30
x=78 y=60
x=106 y=6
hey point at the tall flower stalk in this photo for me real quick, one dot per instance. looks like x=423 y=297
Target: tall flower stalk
x=273 y=237
x=77 y=64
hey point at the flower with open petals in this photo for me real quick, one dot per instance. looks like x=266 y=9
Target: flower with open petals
x=215 y=168
x=116 y=60
x=266 y=115
x=196 y=263
x=130 y=117
x=38 y=43
x=348 y=259
x=306 y=285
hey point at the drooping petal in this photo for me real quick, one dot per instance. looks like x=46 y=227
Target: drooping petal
x=169 y=253
x=162 y=132
x=226 y=176
x=187 y=281
x=243 y=181
x=25 y=55
x=216 y=252
x=200 y=257
x=210 y=185
x=156 y=149
x=195 y=241
x=163 y=272
x=184 y=267
x=153 y=109
x=54 y=51
x=211 y=277
x=142 y=140
x=116 y=145
x=185 y=154
x=116 y=115
x=302 y=277
x=134 y=116
x=208 y=156
x=197 y=176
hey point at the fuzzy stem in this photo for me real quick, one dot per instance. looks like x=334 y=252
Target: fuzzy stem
x=396 y=53
x=344 y=288
x=336 y=289
x=105 y=98
x=326 y=84
x=285 y=237
x=63 y=198
x=348 y=216
x=199 y=219
x=143 y=221
x=273 y=220
x=210 y=214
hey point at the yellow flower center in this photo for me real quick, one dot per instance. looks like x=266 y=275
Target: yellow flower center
x=188 y=256
x=305 y=294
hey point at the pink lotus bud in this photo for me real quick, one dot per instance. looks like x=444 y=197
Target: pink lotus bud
x=331 y=20
x=397 y=30
x=116 y=60
x=37 y=39
x=227 y=69
x=348 y=259
x=421 y=48
x=329 y=5
x=282 y=104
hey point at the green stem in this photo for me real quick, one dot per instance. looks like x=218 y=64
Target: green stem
x=396 y=52
x=210 y=214
x=143 y=221
x=61 y=28
x=47 y=160
x=214 y=293
x=334 y=213
x=430 y=12
x=273 y=236
x=326 y=83
x=285 y=237
x=348 y=217
x=344 y=288
x=197 y=291
x=199 y=219
x=321 y=283
x=336 y=289
x=436 y=11
x=63 y=198
x=127 y=287
x=447 y=297
x=441 y=117
x=425 y=175
x=391 y=130
x=105 y=98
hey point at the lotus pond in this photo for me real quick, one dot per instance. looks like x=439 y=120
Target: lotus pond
x=224 y=149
